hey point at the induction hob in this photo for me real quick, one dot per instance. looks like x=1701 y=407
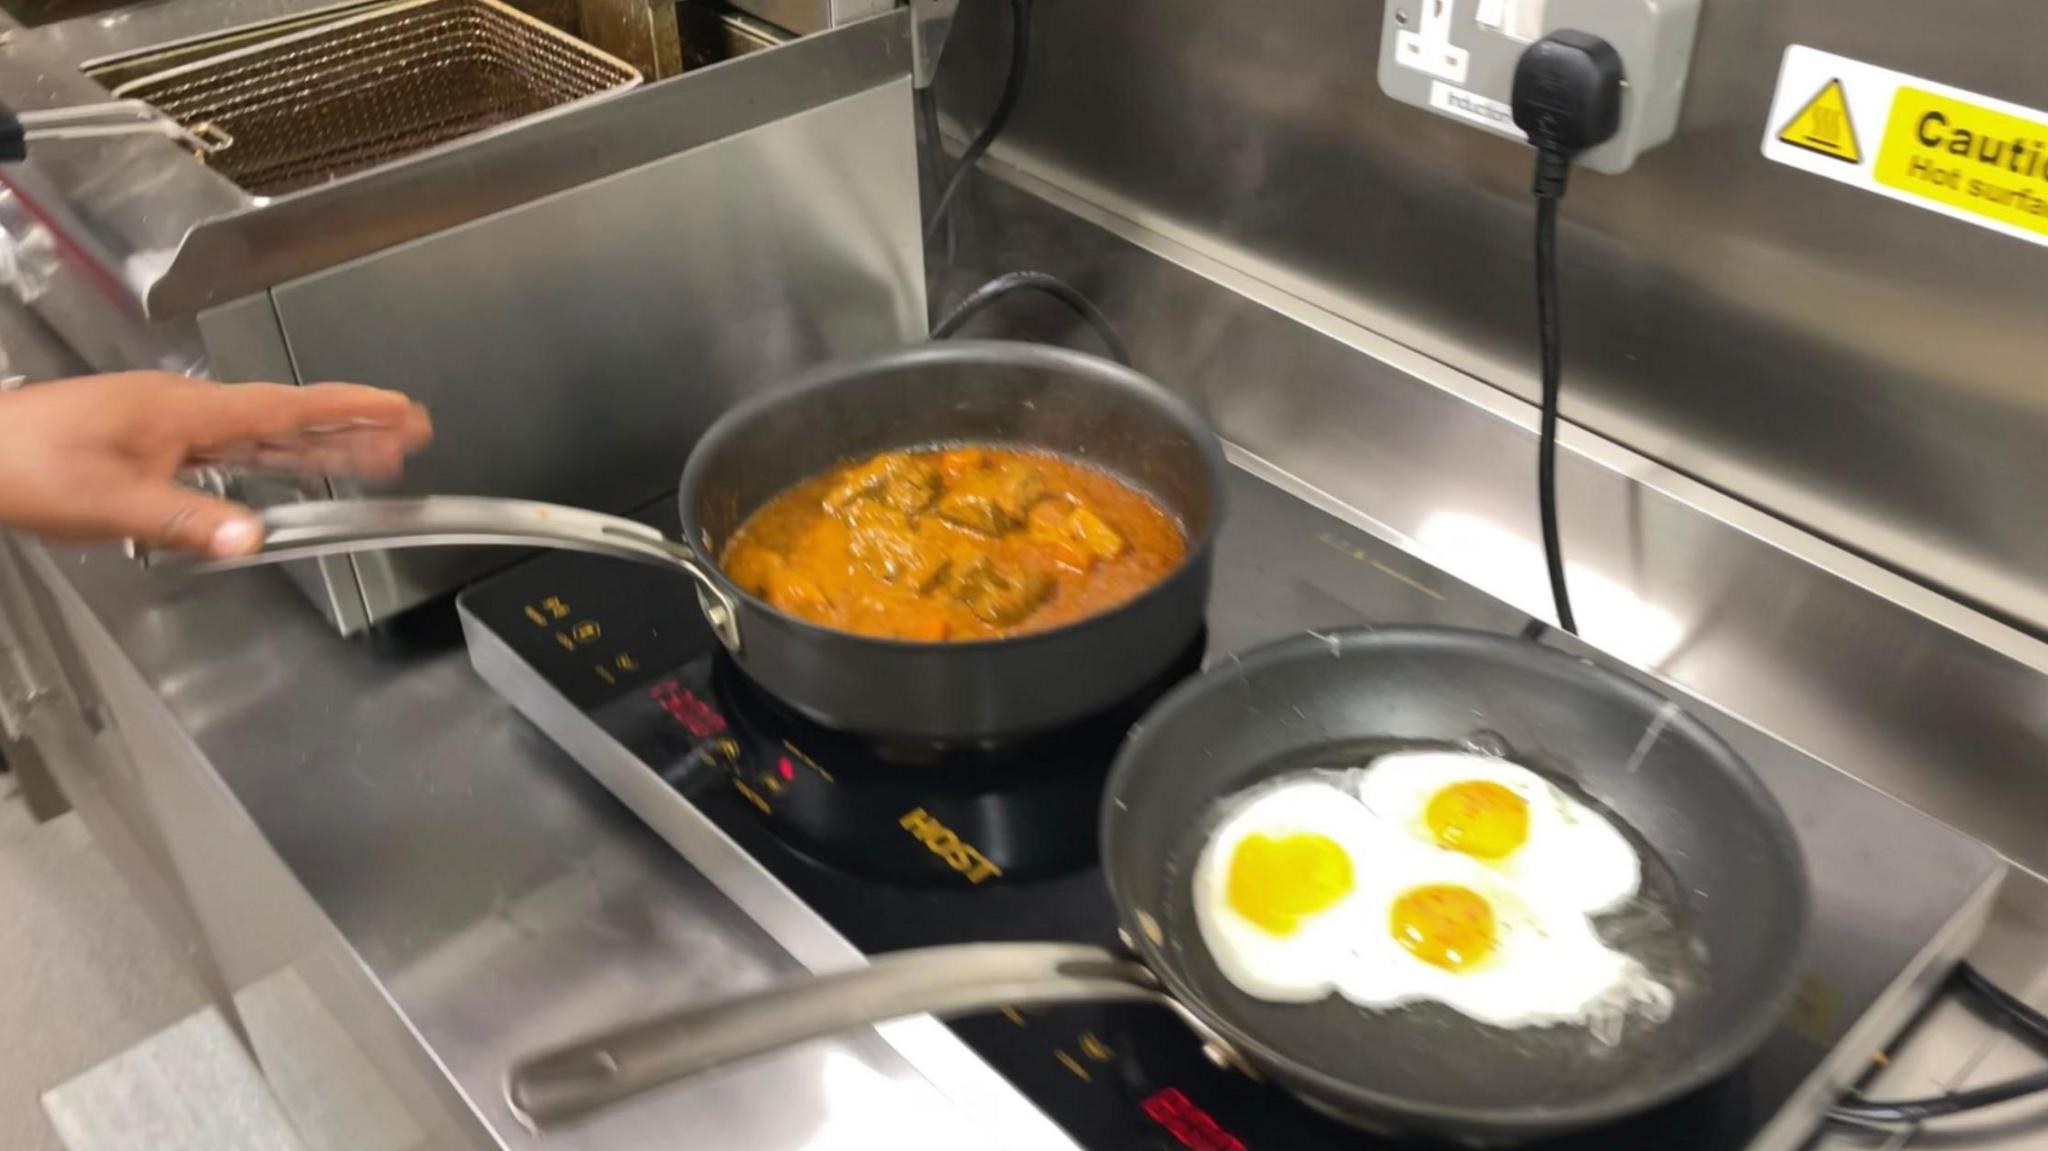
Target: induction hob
x=833 y=844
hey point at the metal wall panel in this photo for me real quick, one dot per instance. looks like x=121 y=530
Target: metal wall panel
x=575 y=348
x=1859 y=366
x=1894 y=684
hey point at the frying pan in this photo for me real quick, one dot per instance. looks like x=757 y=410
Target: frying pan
x=1718 y=854
x=929 y=694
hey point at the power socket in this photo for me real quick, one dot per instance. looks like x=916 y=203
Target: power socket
x=1457 y=59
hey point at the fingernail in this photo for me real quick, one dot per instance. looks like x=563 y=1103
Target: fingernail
x=235 y=537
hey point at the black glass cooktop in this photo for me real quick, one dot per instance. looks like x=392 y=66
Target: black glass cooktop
x=896 y=848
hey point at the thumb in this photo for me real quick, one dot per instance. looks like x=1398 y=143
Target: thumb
x=168 y=516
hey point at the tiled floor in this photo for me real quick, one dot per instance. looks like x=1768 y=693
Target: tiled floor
x=84 y=973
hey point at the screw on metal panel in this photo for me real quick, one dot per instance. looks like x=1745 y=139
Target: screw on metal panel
x=1401 y=16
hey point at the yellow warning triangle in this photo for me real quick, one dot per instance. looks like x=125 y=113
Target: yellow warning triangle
x=1823 y=126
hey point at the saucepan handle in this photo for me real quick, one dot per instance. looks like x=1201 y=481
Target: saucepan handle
x=340 y=527
x=574 y=1081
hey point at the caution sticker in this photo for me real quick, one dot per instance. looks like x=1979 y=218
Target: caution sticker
x=1972 y=157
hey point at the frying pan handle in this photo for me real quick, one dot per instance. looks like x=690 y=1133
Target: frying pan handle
x=574 y=1081
x=343 y=527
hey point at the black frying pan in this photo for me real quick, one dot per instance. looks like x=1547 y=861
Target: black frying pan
x=1719 y=854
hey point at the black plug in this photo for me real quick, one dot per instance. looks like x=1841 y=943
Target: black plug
x=1567 y=97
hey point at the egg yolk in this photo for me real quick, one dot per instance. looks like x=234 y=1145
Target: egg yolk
x=1276 y=881
x=1478 y=817
x=1444 y=924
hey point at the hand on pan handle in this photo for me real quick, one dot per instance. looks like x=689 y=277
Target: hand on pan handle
x=97 y=458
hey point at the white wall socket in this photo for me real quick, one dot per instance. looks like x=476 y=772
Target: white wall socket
x=1457 y=59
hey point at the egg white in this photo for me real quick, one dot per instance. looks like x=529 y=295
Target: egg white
x=1548 y=966
x=1573 y=859
x=1304 y=966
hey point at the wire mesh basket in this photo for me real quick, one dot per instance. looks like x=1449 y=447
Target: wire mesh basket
x=322 y=102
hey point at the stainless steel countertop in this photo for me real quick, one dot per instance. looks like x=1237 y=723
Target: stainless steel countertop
x=494 y=892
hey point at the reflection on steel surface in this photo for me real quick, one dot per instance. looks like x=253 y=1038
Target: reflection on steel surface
x=1509 y=566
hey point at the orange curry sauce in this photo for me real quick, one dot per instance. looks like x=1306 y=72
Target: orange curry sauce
x=956 y=544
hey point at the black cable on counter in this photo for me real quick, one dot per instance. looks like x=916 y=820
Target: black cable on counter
x=1048 y=284
x=2013 y=1010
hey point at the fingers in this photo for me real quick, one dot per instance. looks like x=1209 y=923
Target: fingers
x=166 y=516
x=283 y=414
x=369 y=454
x=347 y=408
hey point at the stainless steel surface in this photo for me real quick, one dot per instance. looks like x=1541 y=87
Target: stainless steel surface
x=1919 y=696
x=806 y=16
x=712 y=35
x=573 y=1081
x=576 y=296
x=644 y=33
x=244 y=342
x=597 y=334
x=369 y=87
x=119 y=118
x=348 y=527
x=931 y=22
x=175 y=237
x=1858 y=367
x=26 y=677
x=477 y=896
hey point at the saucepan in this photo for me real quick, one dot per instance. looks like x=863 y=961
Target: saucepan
x=989 y=392
x=1710 y=833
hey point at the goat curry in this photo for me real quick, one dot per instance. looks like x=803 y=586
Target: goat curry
x=954 y=544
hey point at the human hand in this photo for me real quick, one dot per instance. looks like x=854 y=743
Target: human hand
x=96 y=458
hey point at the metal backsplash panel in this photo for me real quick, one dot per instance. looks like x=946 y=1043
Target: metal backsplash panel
x=574 y=349
x=1896 y=685
x=1861 y=367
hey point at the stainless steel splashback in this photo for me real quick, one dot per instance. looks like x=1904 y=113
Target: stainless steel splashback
x=1857 y=366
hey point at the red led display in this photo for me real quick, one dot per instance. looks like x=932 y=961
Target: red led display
x=1190 y=1126
x=695 y=716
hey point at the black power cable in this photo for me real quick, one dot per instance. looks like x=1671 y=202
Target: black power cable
x=2016 y=1010
x=2013 y=1010
x=1047 y=284
x=1567 y=97
x=1013 y=88
x=1548 y=334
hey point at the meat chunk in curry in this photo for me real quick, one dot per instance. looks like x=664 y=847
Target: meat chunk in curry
x=889 y=545
x=996 y=596
x=992 y=500
x=894 y=479
x=954 y=544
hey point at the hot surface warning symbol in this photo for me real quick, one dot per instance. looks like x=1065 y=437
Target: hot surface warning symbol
x=1823 y=126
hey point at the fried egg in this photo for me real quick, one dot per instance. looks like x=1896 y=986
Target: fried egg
x=1275 y=882
x=1440 y=926
x=1304 y=890
x=1548 y=847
